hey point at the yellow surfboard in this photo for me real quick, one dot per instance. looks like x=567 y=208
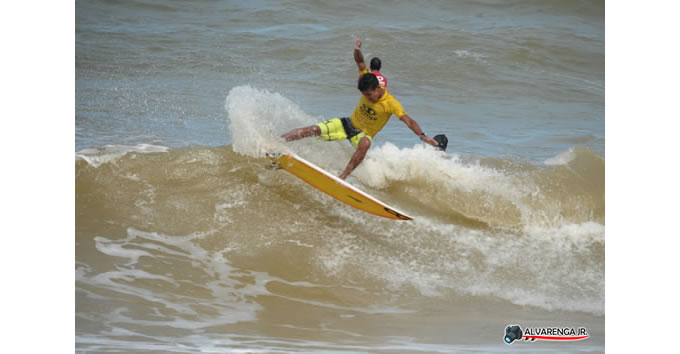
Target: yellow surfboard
x=334 y=186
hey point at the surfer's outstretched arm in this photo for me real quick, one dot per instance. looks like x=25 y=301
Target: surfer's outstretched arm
x=358 y=156
x=300 y=133
x=411 y=123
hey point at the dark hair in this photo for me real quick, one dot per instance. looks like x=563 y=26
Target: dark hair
x=367 y=82
x=376 y=64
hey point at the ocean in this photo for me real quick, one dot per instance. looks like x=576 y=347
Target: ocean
x=186 y=241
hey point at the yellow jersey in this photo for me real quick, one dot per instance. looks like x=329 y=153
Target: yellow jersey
x=372 y=117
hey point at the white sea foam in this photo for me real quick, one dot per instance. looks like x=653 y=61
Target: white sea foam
x=258 y=117
x=139 y=244
x=101 y=155
x=562 y=158
x=479 y=58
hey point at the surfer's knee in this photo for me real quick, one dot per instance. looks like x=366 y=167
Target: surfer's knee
x=364 y=143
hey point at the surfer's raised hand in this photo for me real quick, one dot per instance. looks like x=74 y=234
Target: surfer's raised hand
x=357 y=43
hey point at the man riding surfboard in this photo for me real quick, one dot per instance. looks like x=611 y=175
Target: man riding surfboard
x=374 y=109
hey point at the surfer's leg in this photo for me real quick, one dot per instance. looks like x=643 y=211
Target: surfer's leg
x=362 y=148
x=332 y=130
x=356 y=139
x=300 y=133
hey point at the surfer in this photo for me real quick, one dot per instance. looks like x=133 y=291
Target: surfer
x=375 y=108
x=376 y=64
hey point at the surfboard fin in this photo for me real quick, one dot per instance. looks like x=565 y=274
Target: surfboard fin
x=274 y=157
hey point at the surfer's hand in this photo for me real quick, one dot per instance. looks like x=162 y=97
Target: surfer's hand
x=429 y=140
x=357 y=43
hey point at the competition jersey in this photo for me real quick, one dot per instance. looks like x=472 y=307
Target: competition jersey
x=381 y=79
x=372 y=117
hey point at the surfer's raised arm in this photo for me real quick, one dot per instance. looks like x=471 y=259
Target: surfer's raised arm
x=358 y=57
x=375 y=66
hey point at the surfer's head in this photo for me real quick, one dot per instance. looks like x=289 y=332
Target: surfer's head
x=376 y=64
x=368 y=82
x=369 y=87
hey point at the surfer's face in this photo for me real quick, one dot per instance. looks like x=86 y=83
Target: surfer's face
x=373 y=95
